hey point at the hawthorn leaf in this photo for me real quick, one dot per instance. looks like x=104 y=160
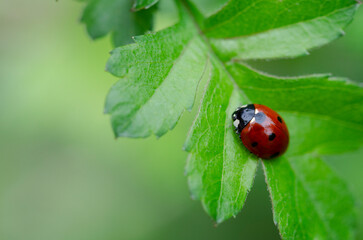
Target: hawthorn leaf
x=276 y=29
x=220 y=173
x=160 y=73
x=143 y=4
x=115 y=16
x=316 y=128
x=309 y=200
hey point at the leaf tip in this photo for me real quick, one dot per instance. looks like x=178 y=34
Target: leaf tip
x=115 y=134
x=158 y=135
x=219 y=220
x=185 y=148
x=193 y=197
x=137 y=7
x=133 y=8
x=105 y=110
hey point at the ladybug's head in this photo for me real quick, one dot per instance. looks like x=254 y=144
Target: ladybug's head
x=242 y=116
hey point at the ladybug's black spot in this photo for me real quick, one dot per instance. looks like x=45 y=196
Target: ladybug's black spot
x=254 y=144
x=275 y=155
x=271 y=136
x=280 y=120
x=260 y=117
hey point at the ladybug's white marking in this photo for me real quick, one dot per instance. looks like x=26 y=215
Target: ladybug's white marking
x=253 y=119
x=236 y=123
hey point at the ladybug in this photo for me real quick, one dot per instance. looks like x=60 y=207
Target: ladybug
x=262 y=131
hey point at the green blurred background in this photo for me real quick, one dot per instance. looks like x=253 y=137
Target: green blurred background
x=63 y=176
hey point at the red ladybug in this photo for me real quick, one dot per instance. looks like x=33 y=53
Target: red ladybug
x=262 y=130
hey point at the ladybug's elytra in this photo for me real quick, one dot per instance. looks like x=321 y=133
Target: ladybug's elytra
x=262 y=130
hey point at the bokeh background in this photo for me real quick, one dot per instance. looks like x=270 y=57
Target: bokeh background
x=63 y=176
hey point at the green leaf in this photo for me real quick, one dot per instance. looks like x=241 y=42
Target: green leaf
x=276 y=29
x=151 y=96
x=219 y=171
x=143 y=4
x=316 y=128
x=236 y=18
x=309 y=200
x=104 y=16
x=160 y=74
